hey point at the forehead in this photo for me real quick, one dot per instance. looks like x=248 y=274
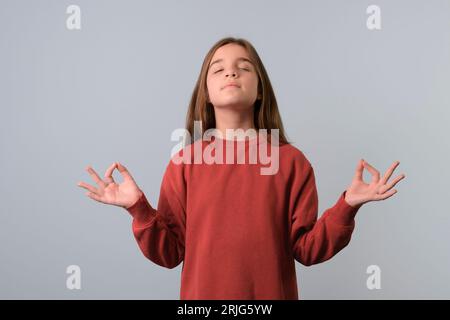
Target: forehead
x=230 y=51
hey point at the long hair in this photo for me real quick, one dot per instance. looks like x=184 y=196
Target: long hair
x=266 y=114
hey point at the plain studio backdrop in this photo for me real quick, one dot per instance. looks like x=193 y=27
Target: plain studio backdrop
x=117 y=88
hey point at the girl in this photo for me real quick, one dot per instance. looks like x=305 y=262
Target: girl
x=238 y=232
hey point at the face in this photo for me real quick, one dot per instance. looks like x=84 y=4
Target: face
x=232 y=81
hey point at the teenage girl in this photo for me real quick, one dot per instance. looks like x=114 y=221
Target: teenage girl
x=239 y=232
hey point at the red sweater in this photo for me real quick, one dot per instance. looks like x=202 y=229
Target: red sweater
x=237 y=232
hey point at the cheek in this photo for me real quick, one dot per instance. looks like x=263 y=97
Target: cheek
x=251 y=79
x=213 y=87
x=211 y=84
x=253 y=84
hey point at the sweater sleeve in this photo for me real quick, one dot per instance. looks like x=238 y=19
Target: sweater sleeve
x=317 y=240
x=160 y=233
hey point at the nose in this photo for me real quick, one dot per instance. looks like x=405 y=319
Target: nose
x=231 y=73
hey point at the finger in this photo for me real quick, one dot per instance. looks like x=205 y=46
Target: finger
x=108 y=174
x=87 y=187
x=124 y=172
x=94 y=196
x=392 y=183
x=374 y=172
x=386 y=195
x=389 y=172
x=95 y=177
x=359 y=171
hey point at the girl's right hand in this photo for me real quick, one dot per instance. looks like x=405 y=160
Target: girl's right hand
x=123 y=195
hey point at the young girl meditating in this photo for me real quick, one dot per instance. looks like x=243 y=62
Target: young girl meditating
x=238 y=203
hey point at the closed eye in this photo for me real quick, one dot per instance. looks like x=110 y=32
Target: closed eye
x=246 y=69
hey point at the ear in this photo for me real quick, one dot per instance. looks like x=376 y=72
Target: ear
x=259 y=93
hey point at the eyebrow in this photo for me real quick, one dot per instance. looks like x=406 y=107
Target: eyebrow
x=238 y=59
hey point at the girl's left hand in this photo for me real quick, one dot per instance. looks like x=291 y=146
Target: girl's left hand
x=360 y=192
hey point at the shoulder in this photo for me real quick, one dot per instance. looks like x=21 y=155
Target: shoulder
x=293 y=156
x=182 y=156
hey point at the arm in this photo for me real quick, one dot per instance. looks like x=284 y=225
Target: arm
x=160 y=232
x=315 y=241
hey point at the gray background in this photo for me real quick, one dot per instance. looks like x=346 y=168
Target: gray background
x=116 y=89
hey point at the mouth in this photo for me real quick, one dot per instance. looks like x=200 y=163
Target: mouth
x=231 y=86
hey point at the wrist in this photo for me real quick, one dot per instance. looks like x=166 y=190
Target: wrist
x=350 y=202
x=135 y=200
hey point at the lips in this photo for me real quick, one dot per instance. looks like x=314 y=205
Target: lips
x=231 y=85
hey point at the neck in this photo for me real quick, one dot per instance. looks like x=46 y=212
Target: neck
x=233 y=119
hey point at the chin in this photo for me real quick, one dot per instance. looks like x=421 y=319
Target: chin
x=235 y=105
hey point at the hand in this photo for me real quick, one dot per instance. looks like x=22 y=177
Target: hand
x=109 y=192
x=359 y=192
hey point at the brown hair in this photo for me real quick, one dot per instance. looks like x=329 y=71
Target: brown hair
x=266 y=114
